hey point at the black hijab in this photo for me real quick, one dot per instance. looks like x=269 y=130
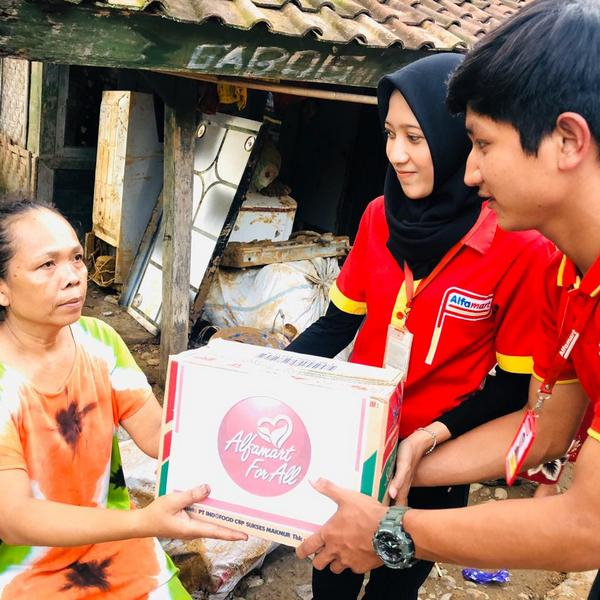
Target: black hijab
x=423 y=230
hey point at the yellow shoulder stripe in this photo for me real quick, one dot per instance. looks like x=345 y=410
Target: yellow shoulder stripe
x=594 y=434
x=515 y=364
x=346 y=304
x=561 y=271
x=561 y=382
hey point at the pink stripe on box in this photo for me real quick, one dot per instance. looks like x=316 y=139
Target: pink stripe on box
x=360 y=434
x=178 y=398
x=259 y=514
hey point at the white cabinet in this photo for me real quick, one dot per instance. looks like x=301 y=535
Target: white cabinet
x=129 y=174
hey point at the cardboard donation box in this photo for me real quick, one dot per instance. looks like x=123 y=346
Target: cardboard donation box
x=258 y=424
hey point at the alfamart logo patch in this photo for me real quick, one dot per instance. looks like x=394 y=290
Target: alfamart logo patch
x=459 y=304
x=264 y=446
x=467 y=305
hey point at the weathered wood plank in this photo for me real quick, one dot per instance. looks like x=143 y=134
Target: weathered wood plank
x=18 y=167
x=14 y=102
x=85 y=162
x=88 y=35
x=180 y=129
x=45 y=183
x=35 y=107
x=61 y=109
x=253 y=254
x=43 y=113
x=51 y=80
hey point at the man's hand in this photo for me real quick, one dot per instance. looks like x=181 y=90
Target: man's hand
x=166 y=517
x=344 y=542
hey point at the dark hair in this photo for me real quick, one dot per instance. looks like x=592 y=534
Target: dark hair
x=10 y=208
x=543 y=61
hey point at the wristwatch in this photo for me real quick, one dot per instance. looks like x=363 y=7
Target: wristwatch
x=391 y=543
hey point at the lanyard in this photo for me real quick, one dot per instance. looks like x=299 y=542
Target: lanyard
x=408 y=276
x=567 y=341
x=585 y=300
x=409 y=280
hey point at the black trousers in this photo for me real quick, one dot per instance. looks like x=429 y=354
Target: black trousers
x=384 y=583
x=595 y=591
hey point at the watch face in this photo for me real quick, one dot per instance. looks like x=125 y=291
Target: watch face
x=391 y=549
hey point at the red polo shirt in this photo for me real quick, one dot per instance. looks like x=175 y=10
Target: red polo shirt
x=566 y=296
x=475 y=312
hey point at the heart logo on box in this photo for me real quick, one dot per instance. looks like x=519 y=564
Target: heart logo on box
x=276 y=430
x=264 y=446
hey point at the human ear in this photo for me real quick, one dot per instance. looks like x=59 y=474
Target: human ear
x=575 y=140
x=4 y=301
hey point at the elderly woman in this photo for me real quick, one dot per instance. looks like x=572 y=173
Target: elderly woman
x=66 y=383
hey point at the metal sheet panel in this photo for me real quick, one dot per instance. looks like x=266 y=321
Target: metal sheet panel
x=264 y=218
x=223 y=148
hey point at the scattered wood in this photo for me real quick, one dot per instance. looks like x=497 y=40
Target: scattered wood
x=301 y=247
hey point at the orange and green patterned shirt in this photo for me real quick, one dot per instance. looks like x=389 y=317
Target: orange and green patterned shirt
x=67 y=443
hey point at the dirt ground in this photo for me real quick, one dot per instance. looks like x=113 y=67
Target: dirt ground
x=283 y=577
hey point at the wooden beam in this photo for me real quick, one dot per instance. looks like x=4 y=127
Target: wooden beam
x=292 y=90
x=44 y=110
x=252 y=254
x=180 y=132
x=85 y=34
x=85 y=162
x=35 y=107
x=51 y=78
x=45 y=183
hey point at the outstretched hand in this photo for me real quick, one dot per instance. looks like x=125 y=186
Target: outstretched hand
x=345 y=541
x=410 y=452
x=166 y=517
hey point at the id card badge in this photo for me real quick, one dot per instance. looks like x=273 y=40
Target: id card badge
x=397 y=349
x=515 y=457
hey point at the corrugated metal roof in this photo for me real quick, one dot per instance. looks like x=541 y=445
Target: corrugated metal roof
x=412 y=24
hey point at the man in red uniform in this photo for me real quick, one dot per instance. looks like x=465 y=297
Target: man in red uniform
x=531 y=91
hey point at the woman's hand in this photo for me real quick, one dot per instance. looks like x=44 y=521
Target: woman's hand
x=410 y=452
x=166 y=517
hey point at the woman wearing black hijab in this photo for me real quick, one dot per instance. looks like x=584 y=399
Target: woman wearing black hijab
x=429 y=260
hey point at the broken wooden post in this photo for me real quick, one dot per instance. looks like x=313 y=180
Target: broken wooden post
x=180 y=130
x=46 y=80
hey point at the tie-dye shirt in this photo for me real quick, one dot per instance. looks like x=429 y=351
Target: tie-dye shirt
x=67 y=443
